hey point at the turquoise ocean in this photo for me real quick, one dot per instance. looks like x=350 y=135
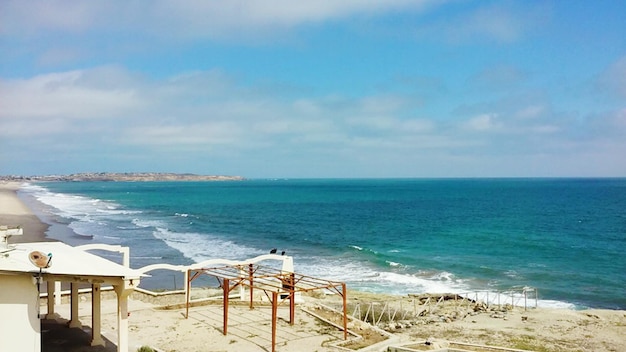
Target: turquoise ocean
x=564 y=237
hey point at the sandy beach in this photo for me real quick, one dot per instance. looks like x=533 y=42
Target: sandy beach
x=151 y=324
x=13 y=212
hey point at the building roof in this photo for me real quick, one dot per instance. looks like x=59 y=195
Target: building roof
x=67 y=261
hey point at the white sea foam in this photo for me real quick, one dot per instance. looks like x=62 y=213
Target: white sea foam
x=444 y=276
x=362 y=277
x=200 y=247
x=413 y=283
x=85 y=216
x=89 y=217
x=546 y=303
x=111 y=211
x=332 y=269
x=511 y=273
x=149 y=223
x=69 y=205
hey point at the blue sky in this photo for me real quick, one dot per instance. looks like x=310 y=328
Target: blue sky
x=324 y=88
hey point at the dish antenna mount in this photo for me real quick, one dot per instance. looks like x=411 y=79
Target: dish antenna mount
x=42 y=261
x=5 y=233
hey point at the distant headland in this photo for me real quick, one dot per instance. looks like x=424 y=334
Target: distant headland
x=123 y=177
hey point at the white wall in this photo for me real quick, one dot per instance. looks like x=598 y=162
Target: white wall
x=20 y=328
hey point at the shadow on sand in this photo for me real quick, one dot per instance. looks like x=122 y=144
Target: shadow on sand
x=57 y=337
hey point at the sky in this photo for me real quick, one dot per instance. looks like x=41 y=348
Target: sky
x=314 y=89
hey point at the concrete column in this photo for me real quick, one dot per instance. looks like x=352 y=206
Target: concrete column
x=287 y=265
x=125 y=256
x=57 y=293
x=74 y=322
x=96 y=327
x=50 y=313
x=122 y=316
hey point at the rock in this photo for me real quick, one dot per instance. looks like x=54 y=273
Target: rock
x=436 y=344
x=407 y=323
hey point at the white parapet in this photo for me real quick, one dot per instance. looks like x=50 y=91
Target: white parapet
x=5 y=233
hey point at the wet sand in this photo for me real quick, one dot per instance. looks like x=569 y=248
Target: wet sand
x=13 y=212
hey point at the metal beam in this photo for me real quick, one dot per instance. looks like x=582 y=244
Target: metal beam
x=271 y=280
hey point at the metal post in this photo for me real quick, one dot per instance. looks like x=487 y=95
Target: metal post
x=225 y=287
x=251 y=279
x=292 y=300
x=344 y=293
x=274 y=314
x=187 y=293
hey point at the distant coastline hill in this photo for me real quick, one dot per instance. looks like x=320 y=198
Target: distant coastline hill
x=126 y=176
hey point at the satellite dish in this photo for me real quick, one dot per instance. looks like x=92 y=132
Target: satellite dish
x=40 y=259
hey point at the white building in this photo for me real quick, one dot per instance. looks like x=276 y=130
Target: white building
x=19 y=294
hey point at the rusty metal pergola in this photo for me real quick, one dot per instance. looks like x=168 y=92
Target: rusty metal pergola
x=281 y=284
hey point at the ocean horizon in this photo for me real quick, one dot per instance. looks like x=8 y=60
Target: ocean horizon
x=565 y=237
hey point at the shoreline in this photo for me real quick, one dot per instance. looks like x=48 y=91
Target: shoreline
x=39 y=226
x=14 y=212
x=30 y=214
x=558 y=329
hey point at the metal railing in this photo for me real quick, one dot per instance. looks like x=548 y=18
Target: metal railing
x=416 y=306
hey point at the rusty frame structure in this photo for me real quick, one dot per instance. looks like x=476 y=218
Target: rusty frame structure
x=281 y=284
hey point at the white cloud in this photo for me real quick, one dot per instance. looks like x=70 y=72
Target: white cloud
x=496 y=22
x=529 y=112
x=27 y=17
x=62 y=95
x=502 y=22
x=282 y=13
x=483 y=122
x=613 y=79
x=191 y=19
x=499 y=77
x=109 y=112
